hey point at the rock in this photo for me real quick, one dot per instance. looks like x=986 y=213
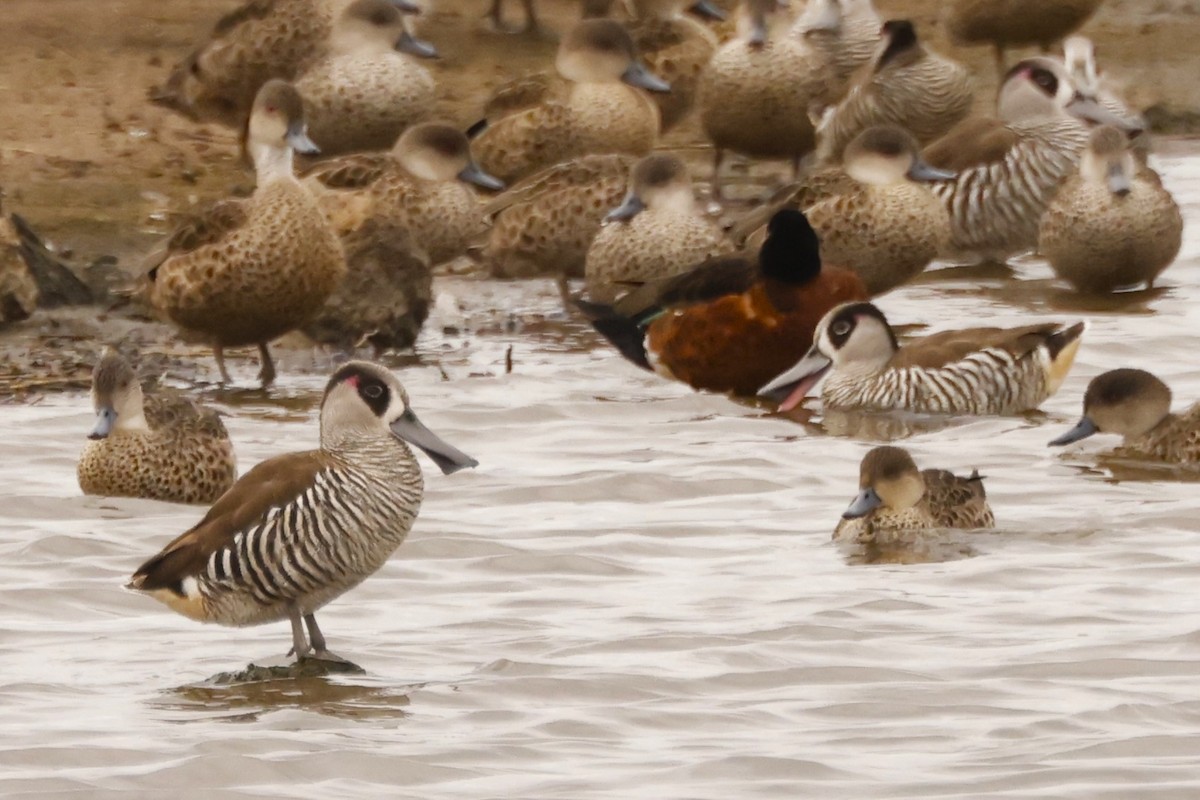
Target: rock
x=57 y=283
x=385 y=296
x=18 y=290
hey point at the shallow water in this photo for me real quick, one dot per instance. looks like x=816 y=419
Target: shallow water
x=635 y=594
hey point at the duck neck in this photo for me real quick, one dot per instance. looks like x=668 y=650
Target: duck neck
x=272 y=163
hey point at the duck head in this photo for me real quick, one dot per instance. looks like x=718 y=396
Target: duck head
x=377 y=26
x=434 y=151
x=887 y=478
x=885 y=154
x=1127 y=402
x=1108 y=161
x=116 y=397
x=657 y=182
x=601 y=51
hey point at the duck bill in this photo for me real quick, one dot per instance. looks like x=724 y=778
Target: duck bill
x=630 y=207
x=790 y=388
x=636 y=74
x=297 y=139
x=406 y=6
x=863 y=504
x=921 y=171
x=474 y=175
x=1089 y=110
x=448 y=458
x=1083 y=429
x=1118 y=181
x=407 y=43
x=106 y=420
x=706 y=10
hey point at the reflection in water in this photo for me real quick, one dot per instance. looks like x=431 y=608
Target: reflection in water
x=322 y=688
x=1116 y=466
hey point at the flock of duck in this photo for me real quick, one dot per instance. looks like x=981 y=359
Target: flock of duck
x=890 y=170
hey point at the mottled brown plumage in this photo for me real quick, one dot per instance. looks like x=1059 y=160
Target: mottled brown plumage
x=675 y=47
x=159 y=447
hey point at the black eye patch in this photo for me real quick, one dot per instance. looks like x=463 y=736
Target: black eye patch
x=375 y=394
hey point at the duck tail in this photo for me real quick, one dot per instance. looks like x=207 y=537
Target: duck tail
x=622 y=332
x=1061 y=347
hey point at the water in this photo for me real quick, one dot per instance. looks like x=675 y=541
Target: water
x=635 y=594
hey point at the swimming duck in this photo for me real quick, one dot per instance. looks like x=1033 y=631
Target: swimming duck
x=1136 y=405
x=1009 y=168
x=896 y=499
x=159 y=447
x=256 y=42
x=605 y=111
x=970 y=371
x=656 y=232
x=368 y=89
x=1112 y=224
x=907 y=86
x=301 y=529
x=755 y=94
x=1015 y=23
x=545 y=224
x=247 y=271
x=675 y=47
x=878 y=219
x=397 y=214
x=733 y=321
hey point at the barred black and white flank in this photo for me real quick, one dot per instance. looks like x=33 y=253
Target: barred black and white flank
x=300 y=529
x=1009 y=168
x=971 y=371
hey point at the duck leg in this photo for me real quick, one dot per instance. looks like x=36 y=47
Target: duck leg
x=1000 y=69
x=531 y=20
x=494 y=14
x=718 y=197
x=318 y=642
x=300 y=646
x=267 y=372
x=219 y=354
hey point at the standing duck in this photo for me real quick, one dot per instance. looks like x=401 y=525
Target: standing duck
x=847 y=31
x=1015 y=23
x=734 y=321
x=756 y=93
x=247 y=271
x=897 y=499
x=545 y=224
x=1009 y=168
x=908 y=86
x=874 y=215
x=1136 y=405
x=398 y=215
x=655 y=233
x=368 y=89
x=971 y=371
x=259 y=41
x=301 y=529
x=1112 y=224
x=675 y=47
x=159 y=447
x=606 y=110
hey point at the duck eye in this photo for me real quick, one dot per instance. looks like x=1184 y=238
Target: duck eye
x=840 y=328
x=374 y=391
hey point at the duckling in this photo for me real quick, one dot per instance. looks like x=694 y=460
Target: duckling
x=256 y=42
x=367 y=90
x=655 y=233
x=301 y=529
x=1136 y=405
x=247 y=271
x=898 y=499
x=397 y=215
x=878 y=221
x=159 y=447
x=756 y=92
x=1009 y=23
x=972 y=371
x=733 y=321
x=605 y=112
x=675 y=47
x=907 y=86
x=1113 y=224
x=545 y=224
x=1008 y=169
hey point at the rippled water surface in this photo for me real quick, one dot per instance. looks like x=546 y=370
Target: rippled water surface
x=635 y=594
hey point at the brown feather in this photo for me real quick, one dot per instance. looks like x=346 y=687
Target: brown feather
x=274 y=483
x=973 y=142
x=350 y=172
x=940 y=349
